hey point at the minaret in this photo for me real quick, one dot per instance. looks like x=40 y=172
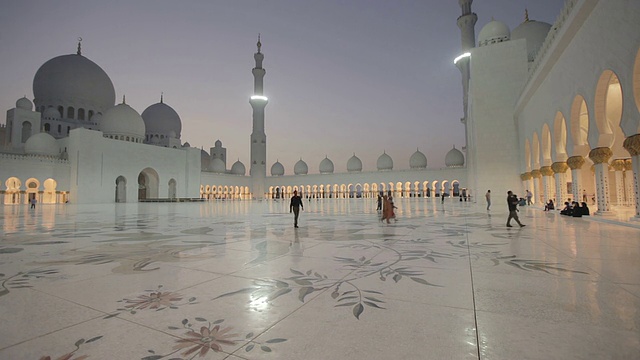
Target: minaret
x=466 y=23
x=258 y=101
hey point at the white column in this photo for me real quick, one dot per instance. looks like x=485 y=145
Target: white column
x=575 y=164
x=537 y=192
x=560 y=171
x=628 y=183
x=632 y=145
x=548 y=183
x=600 y=157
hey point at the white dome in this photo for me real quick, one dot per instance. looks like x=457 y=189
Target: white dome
x=96 y=118
x=51 y=113
x=122 y=120
x=277 y=169
x=354 y=164
x=186 y=145
x=326 y=166
x=218 y=143
x=24 y=104
x=418 y=160
x=41 y=144
x=535 y=32
x=238 y=168
x=217 y=166
x=205 y=160
x=161 y=119
x=385 y=162
x=454 y=158
x=494 y=32
x=300 y=168
x=73 y=80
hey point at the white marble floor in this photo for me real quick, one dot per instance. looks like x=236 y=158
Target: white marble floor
x=235 y=280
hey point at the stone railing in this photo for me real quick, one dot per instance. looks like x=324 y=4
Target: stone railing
x=39 y=158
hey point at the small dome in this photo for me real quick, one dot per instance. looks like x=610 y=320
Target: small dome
x=51 y=113
x=204 y=159
x=154 y=140
x=122 y=120
x=96 y=118
x=354 y=164
x=186 y=145
x=418 y=160
x=301 y=168
x=385 y=162
x=24 y=104
x=454 y=158
x=277 y=169
x=534 y=32
x=217 y=166
x=494 y=32
x=161 y=119
x=41 y=144
x=326 y=166
x=238 y=168
x=218 y=143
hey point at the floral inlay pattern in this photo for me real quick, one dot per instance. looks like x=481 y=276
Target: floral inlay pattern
x=72 y=355
x=156 y=300
x=23 y=279
x=210 y=336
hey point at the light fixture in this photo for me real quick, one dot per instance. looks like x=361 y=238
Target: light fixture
x=259 y=97
x=465 y=55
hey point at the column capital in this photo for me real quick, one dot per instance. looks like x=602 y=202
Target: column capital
x=617 y=164
x=559 y=167
x=575 y=162
x=632 y=144
x=600 y=155
x=628 y=164
x=536 y=174
x=525 y=176
x=546 y=171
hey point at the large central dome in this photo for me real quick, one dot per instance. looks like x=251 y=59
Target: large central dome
x=73 y=80
x=161 y=119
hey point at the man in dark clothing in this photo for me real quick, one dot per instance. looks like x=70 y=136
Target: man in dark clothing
x=295 y=206
x=512 y=201
x=379 y=208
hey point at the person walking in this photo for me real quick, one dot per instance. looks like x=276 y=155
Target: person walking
x=295 y=206
x=442 y=201
x=379 y=208
x=488 y=197
x=512 y=201
x=529 y=196
x=387 y=209
x=33 y=202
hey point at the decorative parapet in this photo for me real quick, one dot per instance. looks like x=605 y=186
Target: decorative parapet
x=618 y=164
x=536 y=174
x=41 y=158
x=559 y=167
x=575 y=162
x=600 y=155
x=632 y=144
x=546 y=171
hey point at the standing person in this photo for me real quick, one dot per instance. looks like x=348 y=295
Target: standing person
x=512 y=201
x=295 y=206
x=529 y=196
x=379 y=208
x=488 y=197
x=442 y=201
x=387 y=209
x=33 y=202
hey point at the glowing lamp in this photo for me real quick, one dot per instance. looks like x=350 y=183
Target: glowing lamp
x=259 y=97
x=465 y=55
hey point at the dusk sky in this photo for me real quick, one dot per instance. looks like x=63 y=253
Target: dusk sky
x=343 y=77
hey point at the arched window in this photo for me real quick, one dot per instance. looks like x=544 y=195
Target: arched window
x=61 y=111
x=71 y=113
x=47 y=127
x=127 y=138
x=59 y=129
x=90 y=115
x=81 y=114
x=26 y=131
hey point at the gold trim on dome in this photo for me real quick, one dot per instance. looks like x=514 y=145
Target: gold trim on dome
x=632 y=144
x=536 y=174
x=600 y=155
x=618 y=164
x=546 y=171
x=575 y=162
x=559 y=167
x=628 y=164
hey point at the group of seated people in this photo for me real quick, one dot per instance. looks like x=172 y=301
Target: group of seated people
x=574 y=209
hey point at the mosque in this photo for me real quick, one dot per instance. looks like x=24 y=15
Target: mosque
x=554 y=109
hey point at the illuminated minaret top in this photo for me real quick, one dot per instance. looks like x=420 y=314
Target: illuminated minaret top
x=466 y=23
x=258 y=102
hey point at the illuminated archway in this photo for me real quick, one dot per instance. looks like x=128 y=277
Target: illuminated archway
x=148 y=183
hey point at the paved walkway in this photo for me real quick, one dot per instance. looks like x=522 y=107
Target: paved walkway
x=235 y=280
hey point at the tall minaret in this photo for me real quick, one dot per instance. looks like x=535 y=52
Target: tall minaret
x=258 y=101
x=466 y=23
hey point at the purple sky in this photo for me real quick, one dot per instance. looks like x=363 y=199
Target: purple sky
x=357 y=76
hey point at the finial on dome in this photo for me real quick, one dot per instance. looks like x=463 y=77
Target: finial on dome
x=526 y=14
x=259 y=43
x=161 y=97
x=79 y=46
x=123 y=99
